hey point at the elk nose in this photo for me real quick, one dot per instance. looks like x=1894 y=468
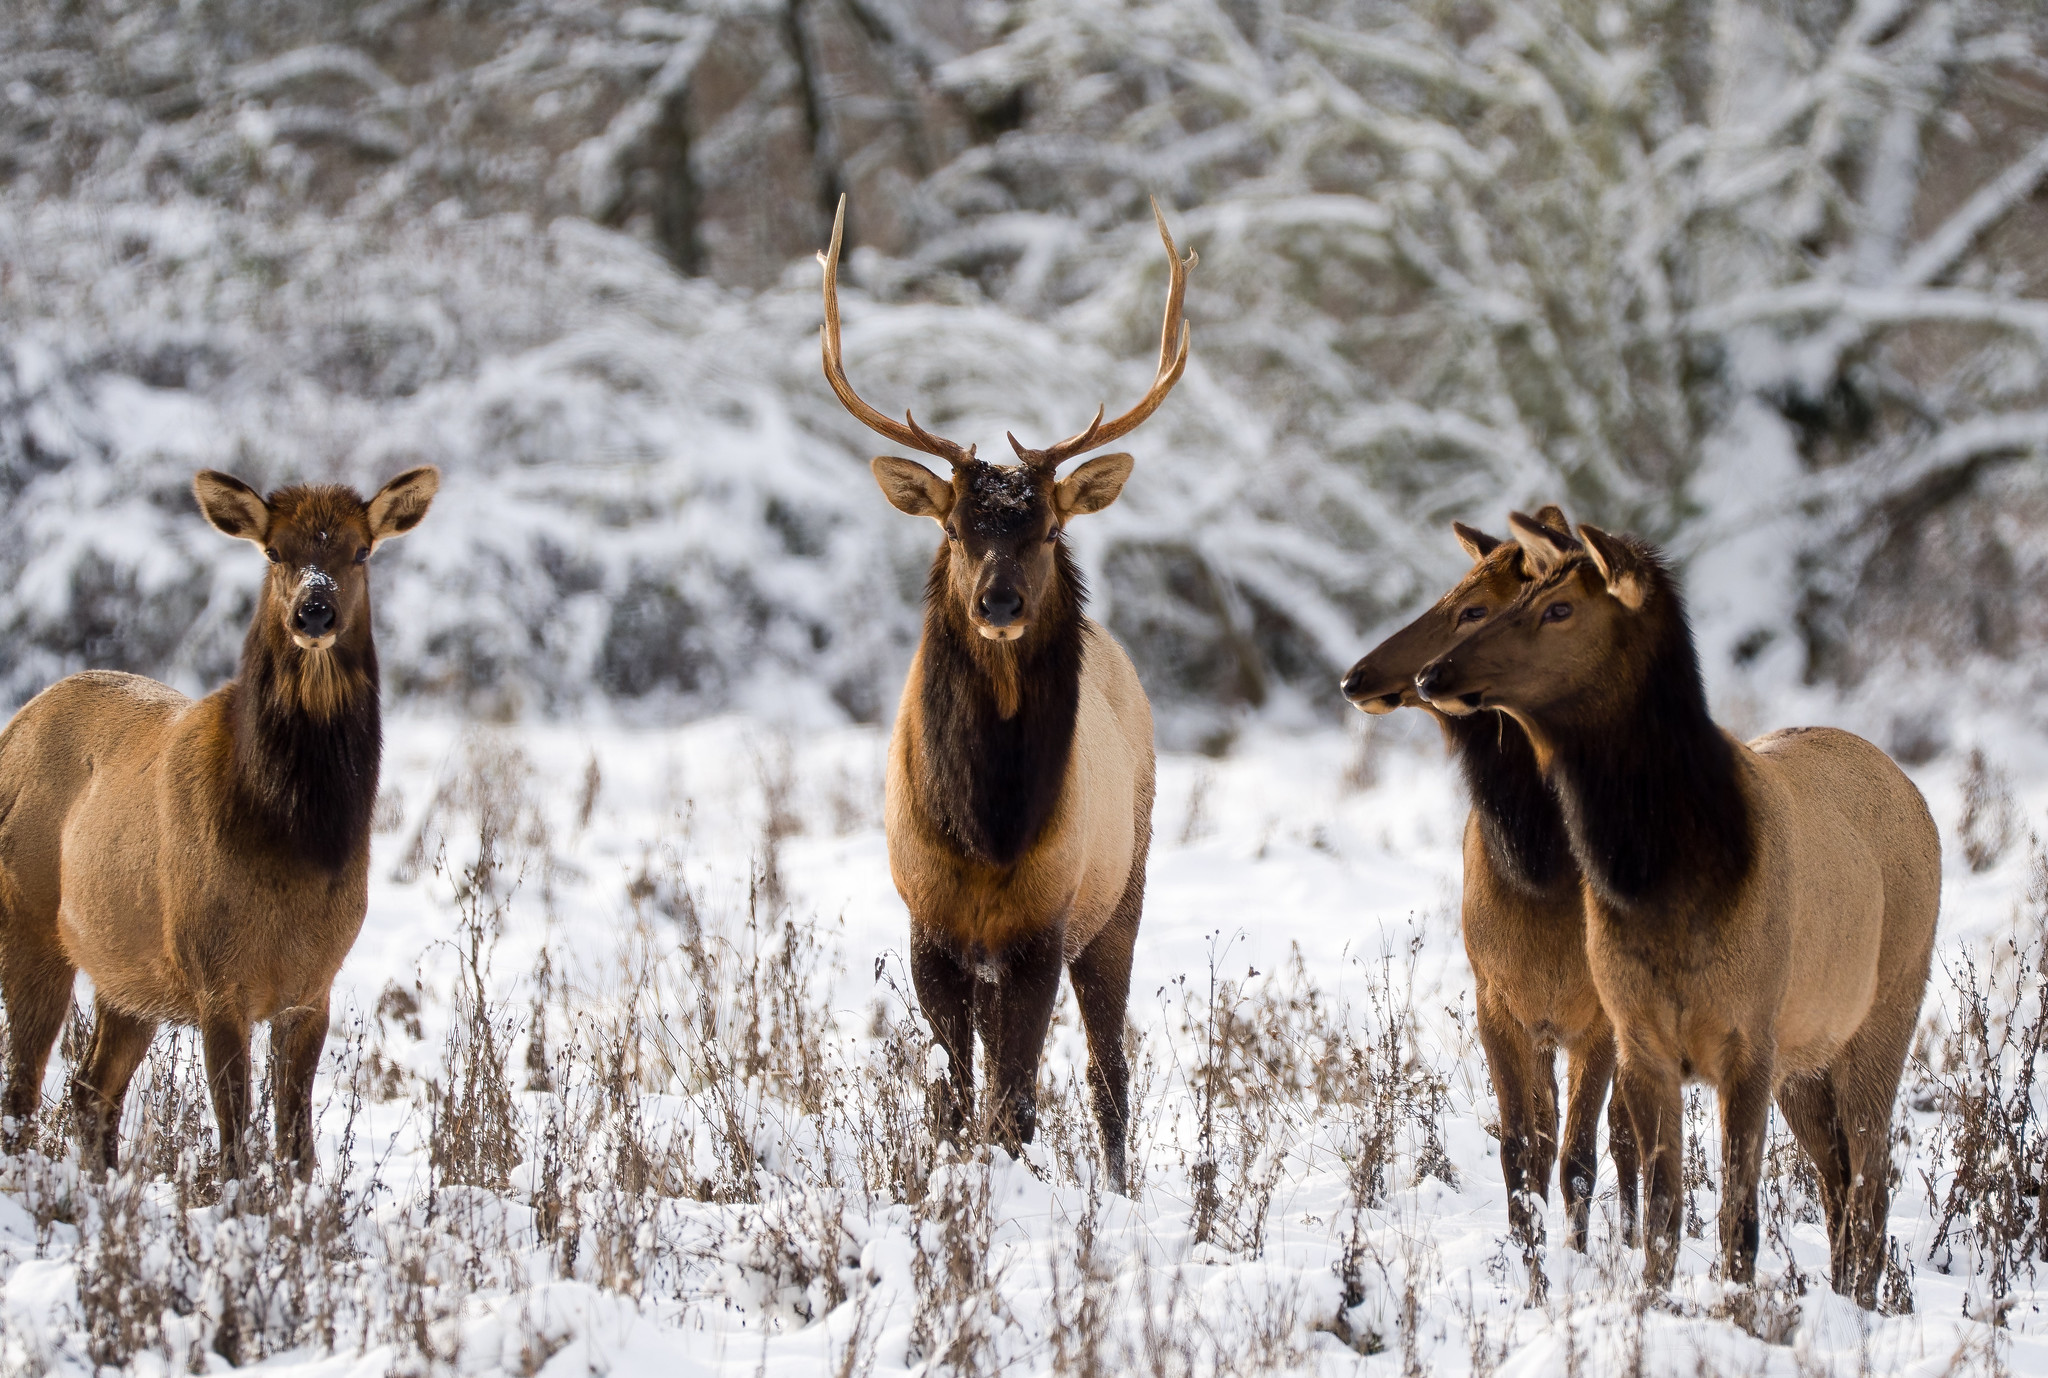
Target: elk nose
x=1001 y=606
x=1433 y=678
x=315 y=617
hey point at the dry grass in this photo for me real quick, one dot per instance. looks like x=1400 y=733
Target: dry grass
x=688 y=1121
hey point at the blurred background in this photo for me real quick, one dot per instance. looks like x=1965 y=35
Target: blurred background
x=1763 y=280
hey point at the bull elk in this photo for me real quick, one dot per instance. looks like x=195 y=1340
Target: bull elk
x=1523 y=920
x=1019 y=790
x=206 y=863
x=1758 y=916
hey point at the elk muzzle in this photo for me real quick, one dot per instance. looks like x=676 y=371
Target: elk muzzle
x=1443 y=687
x=1370 y=691
x=999 y=607
x=313 y=612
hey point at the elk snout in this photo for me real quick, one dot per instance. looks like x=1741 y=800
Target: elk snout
x=313 y=613
x=315 y=618
x=1000 y=606
x=1438 y=683
x=1367 y=690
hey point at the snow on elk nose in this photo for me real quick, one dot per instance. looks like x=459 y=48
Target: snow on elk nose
x=313 y=610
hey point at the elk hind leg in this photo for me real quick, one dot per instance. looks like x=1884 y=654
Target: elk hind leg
x=945 y=994
x=1590 y=1064
x=1866 y=1080
x=296 y=1037
x=1543 y=1116
x=1627 y=1156
x=1102 y=987
x=35 y=983
x=1808 y=1105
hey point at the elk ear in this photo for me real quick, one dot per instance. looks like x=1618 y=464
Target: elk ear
x=912 y=488
x=401 y=503
x=1477 y=543
x=1620 y=566
x=1544 y=547
x=1552 y=516
x=1093 y=486
x=232 y=506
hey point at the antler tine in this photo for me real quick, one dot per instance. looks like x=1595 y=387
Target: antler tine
x=906 y=432
x=1174 y=338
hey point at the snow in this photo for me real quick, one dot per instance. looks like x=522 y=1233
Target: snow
x=1282 y=865
x=1761 y=287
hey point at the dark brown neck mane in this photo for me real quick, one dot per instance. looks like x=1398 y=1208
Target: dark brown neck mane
x=1520 y=824
x=991 y=780
x=307 y=743
x=1649 y=785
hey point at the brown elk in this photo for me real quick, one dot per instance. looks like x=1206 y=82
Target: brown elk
x=206 y=863
x=1760 y=917
x=1523 y=918
x=1019 y=791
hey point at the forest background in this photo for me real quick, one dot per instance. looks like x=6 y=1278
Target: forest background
x=1759 y=280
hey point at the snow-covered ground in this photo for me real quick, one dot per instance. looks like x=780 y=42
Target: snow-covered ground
x=1299 y=960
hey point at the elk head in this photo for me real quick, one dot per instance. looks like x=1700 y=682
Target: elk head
x=1575 y=634
x=1003 y=522
x=1385 y=678
x=318 y=540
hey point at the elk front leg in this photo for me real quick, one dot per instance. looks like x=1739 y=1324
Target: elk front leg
x=296 y=1038
x=226 y=1040
x=945 y=993
x=1651 y=1089
x=1591 y=1067
x=1745 y=1108
x=1512 y=1063
x=99 y=1088
x=1020 y=1011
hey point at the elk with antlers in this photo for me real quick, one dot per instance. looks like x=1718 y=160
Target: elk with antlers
x=1019 y=794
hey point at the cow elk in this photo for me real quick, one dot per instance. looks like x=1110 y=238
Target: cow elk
x=206 y=863
x=1759 y=917
x=1019 y=791
x=1523 y=919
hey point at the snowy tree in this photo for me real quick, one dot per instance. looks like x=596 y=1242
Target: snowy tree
x=1756 y=279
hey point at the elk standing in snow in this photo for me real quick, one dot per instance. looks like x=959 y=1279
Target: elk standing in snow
x=1759 y=917
x=1523 y=917
x=205 y=863
x=1019 y=794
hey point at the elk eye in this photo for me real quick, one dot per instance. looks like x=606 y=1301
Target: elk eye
x=270 y=554
x=1052 y=535
x=951 y=534
x=1472 y=614
x=1557 y=612
x=362 y=554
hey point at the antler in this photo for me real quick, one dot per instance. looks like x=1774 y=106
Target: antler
x=905 y=432
x=1173 y=360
